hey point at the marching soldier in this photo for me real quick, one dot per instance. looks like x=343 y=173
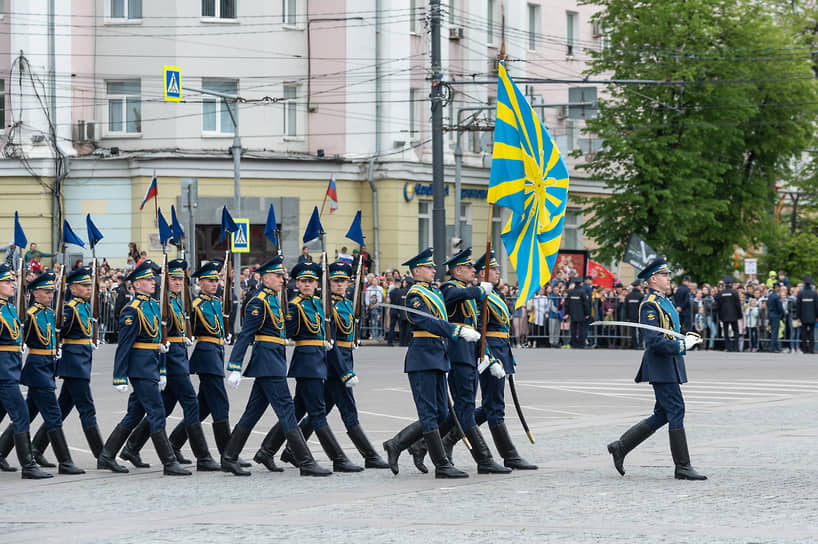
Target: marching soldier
x=208 y=360
x=305 y=325
x=493 y=382
x=341 y=377
x=74 y=366
x=38 y=373
x=178 y=387
x=11 y=400
x=426 y=365
x=264 y=326
x=663 y=366
x=137 y=361
x=461 y=306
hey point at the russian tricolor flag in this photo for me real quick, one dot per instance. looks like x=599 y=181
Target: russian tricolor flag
x=152 y=191
x=332 y=195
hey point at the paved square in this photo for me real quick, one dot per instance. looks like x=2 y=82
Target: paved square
x=750 y=422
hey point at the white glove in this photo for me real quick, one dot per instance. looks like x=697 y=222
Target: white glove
x=487 y=287
x=328 y=345
x=122 y=388
x=497 y=370
x=164 y=348
x=190 y=341
x=483 y=364
x=234 y=379
x=95 y=345
x=58 y=356
x=163 y=382
x=469 y=335
x=352 y=382
x=691 y=340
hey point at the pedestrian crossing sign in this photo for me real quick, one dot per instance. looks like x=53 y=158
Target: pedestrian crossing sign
x=240 y=240
x=173 y=83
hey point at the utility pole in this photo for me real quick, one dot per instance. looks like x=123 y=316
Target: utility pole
x=438 y=188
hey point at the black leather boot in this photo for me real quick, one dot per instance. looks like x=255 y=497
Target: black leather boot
x=364 y=447
x=6 y=445
x=139 y=436
x=443 y=467
x=418 y=452
x=405 y=438
x=449 y=440
x=221 y=432
x=177 y=438
x=230 y=457
x=38 y=445
x=632 y=438
x=269 y=446
x=94 y=438
x=67 y=466
x=306 y=431
x=506 y=449
x=30 y=471
x=340 y=461
x=204 y=462
x=482 y=454
x=171 y=466
x=681 y=457
x=107 y=457
x=305 y=460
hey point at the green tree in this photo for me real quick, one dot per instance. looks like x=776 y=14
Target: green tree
x=693 y=159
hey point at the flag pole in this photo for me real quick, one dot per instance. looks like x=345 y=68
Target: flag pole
x=156 y=200
x=323 y=203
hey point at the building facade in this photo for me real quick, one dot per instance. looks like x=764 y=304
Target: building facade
x=340 y=91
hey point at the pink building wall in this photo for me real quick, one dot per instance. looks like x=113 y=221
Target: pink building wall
x=83 y=90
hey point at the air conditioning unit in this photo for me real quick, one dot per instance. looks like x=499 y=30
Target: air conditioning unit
x=455 y=32
x=562 y=112
x=596 y=30
x=86 y=131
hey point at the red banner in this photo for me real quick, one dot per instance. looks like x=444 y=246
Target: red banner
x=601 y=275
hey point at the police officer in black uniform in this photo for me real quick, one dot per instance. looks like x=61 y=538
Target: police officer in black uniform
x=663 y=366
x=681 y=298
x=578 y=306
x=807 y=310
x=632 y=301
x=137 y=361
x=729 y=308
x=175 y=382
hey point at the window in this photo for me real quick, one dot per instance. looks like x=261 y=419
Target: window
x=413 y=18
x=570 y=31
x=533 y=26
x=465 y=213
x=219 y=9
x=126 y=9
x=290 y=110
x=2 y=102
x=288 y=12
x=490 y=21
x=215 y=115
x=424 y=224
x=572 y=230
x=451 y=12
x=124 y=106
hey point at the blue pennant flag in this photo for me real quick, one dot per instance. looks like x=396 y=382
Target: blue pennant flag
x=165 y=233
x=20 y=239
x=228 y=225
x=175 y=226
x=314 y=228
x=355 y=233
x=94 y=235
x=271 y=227
x=68 y=235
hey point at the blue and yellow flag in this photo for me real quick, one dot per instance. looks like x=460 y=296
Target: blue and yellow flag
x=529 y=177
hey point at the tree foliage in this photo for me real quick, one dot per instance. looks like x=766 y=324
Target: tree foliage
x=693 y=166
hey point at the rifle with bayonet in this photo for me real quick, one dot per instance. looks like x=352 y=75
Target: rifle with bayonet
x=164 y=300
x=59 y=300
x=357 y=301
x=226 y=299
x=94 y=302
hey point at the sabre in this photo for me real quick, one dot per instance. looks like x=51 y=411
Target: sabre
x=513 y=388
x=640 y=326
